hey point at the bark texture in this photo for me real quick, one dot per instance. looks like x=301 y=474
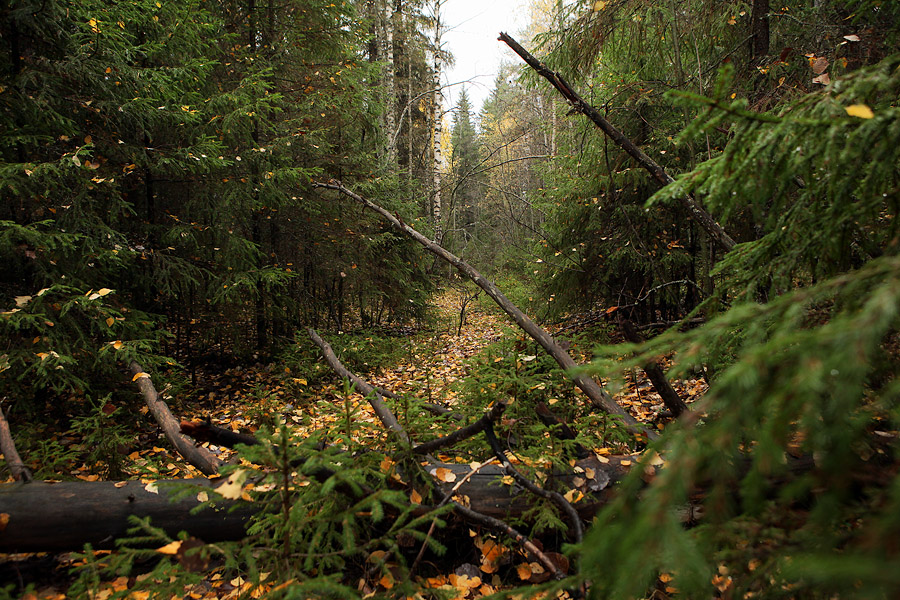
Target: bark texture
x=201 y=458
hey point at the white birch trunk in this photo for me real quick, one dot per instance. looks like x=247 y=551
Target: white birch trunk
x=437 y=118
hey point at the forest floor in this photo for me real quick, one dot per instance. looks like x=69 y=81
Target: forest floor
x=240 y=397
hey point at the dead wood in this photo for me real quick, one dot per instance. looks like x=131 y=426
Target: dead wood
x=697 y=212
x=598 y=397
x=441 y=411
x=374 y=398
x=8 y=447
x=201 y=458
x=205 y=431
x=462 y=433
x=67 y=515
x=654 y=372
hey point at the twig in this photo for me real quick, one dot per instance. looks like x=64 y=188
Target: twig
x=498 y=525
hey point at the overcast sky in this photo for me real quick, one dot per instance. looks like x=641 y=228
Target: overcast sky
x=472 y=27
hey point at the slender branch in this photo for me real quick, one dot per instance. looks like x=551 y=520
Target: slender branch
x=698 y=213
x=383 y=413
x=201 y=458
x=498 y=525
x=463 y=433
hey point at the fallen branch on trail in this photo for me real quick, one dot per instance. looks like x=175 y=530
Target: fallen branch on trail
x=463 y=433
x=361 y=384
x=697 y=212
x=383 y=413
x=599 y=398
x=201 y=458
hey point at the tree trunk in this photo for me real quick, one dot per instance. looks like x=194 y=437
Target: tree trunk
x=759 y=30
x=68 y=515
x=437 y=118
x=65 y=516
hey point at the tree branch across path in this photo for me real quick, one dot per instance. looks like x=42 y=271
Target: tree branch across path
x=579 y=104
x=598 y=397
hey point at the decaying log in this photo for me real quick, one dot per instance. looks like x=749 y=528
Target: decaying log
x=201 y=458
x=598 y=397
x=67 y=515
x=8 y=447
x=697 y=212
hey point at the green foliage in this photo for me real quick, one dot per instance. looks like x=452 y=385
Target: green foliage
x=811 y=371
x=103 y=437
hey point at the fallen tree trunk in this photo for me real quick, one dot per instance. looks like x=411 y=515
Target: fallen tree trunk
x=65 y=516
x=697 y=212
x=598 y=397
x=68 y=515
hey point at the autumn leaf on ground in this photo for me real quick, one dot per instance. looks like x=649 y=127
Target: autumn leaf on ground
x=444 y=474
x=233 y=486
x=170 y=548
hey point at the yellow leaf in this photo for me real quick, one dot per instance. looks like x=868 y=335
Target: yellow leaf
x=573 y=496
x=599 y=5
x=300 y=380
x=103 y=291
x=22 y=300
x=860 y=110
x=415 y=497
x=93 y=25
x=507 y=480
x=444 y=474
x=233 y=486
x=140 y=375
x=152 y=487
x=171 y=548
x=523 y=571
x=110 y=321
